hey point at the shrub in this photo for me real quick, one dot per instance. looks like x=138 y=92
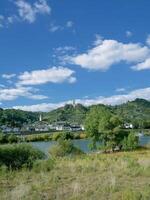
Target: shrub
x=43 y=165
x=63 y=135
x=64 y=148
x=12 y=139
x=3 y=138
x=130 y=143
x=19 y=155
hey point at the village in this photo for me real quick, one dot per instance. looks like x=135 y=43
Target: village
x=42 y=126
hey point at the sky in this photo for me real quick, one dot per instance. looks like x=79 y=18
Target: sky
x=53 y=52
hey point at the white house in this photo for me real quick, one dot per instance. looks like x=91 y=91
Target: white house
x=128 y=126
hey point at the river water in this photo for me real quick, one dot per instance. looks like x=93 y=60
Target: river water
x=82 y=144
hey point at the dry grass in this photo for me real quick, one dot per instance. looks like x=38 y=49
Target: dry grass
x=119 y=176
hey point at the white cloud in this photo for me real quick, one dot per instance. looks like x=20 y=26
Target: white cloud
x=142 y=66
x=120 y=90
x=112 y=100
x=2 y=19
x=52 y=75
x=69 y=24
x=110 y=52
x=53 y=28
x=129 y=33
x=148 y=40
x=8 y=76
x=44 y=107
x=98 y=41
x=64 y=49
x=9 y=94
x=28 y=12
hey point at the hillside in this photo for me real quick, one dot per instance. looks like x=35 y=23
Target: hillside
x=15 y=118
x=136 y=112
x=68 y=113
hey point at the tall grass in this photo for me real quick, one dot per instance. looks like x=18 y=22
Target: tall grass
x=117 y=176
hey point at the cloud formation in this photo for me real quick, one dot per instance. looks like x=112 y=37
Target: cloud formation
x=9 y=94
x=129 y=33
x=110 y=52
x=28 y=12
x=112 y=100
x=51 y=75
x=8 y=76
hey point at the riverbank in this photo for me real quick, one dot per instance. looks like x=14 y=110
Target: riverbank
x=123 y=175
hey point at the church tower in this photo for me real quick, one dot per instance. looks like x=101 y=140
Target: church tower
x=74 y=103
x=40 y=118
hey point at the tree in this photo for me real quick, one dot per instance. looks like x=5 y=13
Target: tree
x=105 y=127
x=130 y=143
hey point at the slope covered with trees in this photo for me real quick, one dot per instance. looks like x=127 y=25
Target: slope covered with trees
x=68 y=113
x=15 y=118
x=136 y=112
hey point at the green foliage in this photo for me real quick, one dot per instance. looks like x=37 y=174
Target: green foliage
x=15 y=118
x=136 y=112
x=12 y=139
x=64 y=148
x=68 y=113
x=130 y=143
x=19 y=155
x=4 y=139
x=105 y=127
x=43 y=165
x=38 y=137
x=63 y=135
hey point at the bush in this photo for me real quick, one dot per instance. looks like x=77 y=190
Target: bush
x=19 y=155
x=63 y=135
x=64 y=148
x=43 y=165
x=12 y=139
x=4 y=139
x=130 y=143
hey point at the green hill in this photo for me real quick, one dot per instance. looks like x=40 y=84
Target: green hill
x=15 y=118
x=136 y=112
x=68 y=113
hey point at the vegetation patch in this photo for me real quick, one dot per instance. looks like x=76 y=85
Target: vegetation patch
x=19 y=155
x=64 y=148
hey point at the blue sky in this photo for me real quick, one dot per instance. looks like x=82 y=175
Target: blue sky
x=53 y=52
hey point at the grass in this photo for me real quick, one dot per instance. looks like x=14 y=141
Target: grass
x=117 y=176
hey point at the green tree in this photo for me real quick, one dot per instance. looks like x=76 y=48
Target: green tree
x=104 y=127
x=130 y=143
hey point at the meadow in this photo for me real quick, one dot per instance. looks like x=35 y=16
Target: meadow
x=112 y=176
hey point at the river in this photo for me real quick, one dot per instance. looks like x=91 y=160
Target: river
x=82 y=144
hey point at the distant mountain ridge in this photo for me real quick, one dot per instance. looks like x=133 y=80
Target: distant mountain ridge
x=136 y=112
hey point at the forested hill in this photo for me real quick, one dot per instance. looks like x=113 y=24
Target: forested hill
x=68 y=113
x=136 y=112
x=16 y=118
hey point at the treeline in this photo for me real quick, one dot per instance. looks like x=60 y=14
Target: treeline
x=16 y=118
x=11 y=138
x=135 y=112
